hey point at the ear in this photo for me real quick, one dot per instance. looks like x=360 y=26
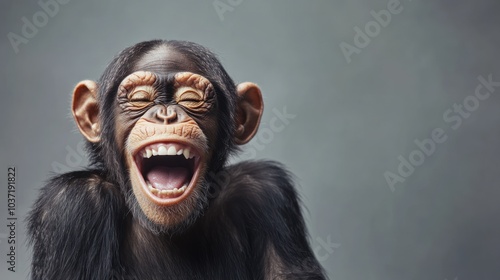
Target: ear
x=86 y=110
x=249 y=111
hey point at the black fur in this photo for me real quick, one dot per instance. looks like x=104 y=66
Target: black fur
x=75 y=228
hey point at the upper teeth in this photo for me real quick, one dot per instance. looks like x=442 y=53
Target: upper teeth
x=164 y=151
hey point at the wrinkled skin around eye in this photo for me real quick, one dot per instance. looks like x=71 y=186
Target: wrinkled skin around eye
x=193 y=100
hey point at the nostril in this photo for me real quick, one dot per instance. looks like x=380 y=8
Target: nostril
x=171 y=111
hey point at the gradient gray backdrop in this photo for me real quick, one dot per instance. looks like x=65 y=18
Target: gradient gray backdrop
x=352 y=120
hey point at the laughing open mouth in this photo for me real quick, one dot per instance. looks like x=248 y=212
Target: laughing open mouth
x=168 y=171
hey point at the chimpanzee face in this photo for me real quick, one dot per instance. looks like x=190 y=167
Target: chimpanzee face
x=166 y=124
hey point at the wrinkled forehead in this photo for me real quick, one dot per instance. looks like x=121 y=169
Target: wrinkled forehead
x=164 y=60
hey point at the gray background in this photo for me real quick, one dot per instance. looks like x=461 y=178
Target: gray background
x=352 y=120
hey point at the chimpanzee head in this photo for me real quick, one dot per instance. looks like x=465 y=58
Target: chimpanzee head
x=163 y=116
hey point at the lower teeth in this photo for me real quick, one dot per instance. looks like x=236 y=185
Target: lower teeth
x=166 y=193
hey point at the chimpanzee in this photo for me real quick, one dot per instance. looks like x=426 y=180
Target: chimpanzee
x=158 y=200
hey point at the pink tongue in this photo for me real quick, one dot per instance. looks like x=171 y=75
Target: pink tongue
x=167 y=178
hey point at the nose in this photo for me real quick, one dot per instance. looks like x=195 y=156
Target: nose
x=166 y=114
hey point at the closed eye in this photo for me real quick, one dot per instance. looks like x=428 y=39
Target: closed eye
x=141 y=95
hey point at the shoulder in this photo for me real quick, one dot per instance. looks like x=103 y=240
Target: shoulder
x=258 y=181
x=258 y=192
x=74 y=195
x=70 y=196
x=73 y=188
